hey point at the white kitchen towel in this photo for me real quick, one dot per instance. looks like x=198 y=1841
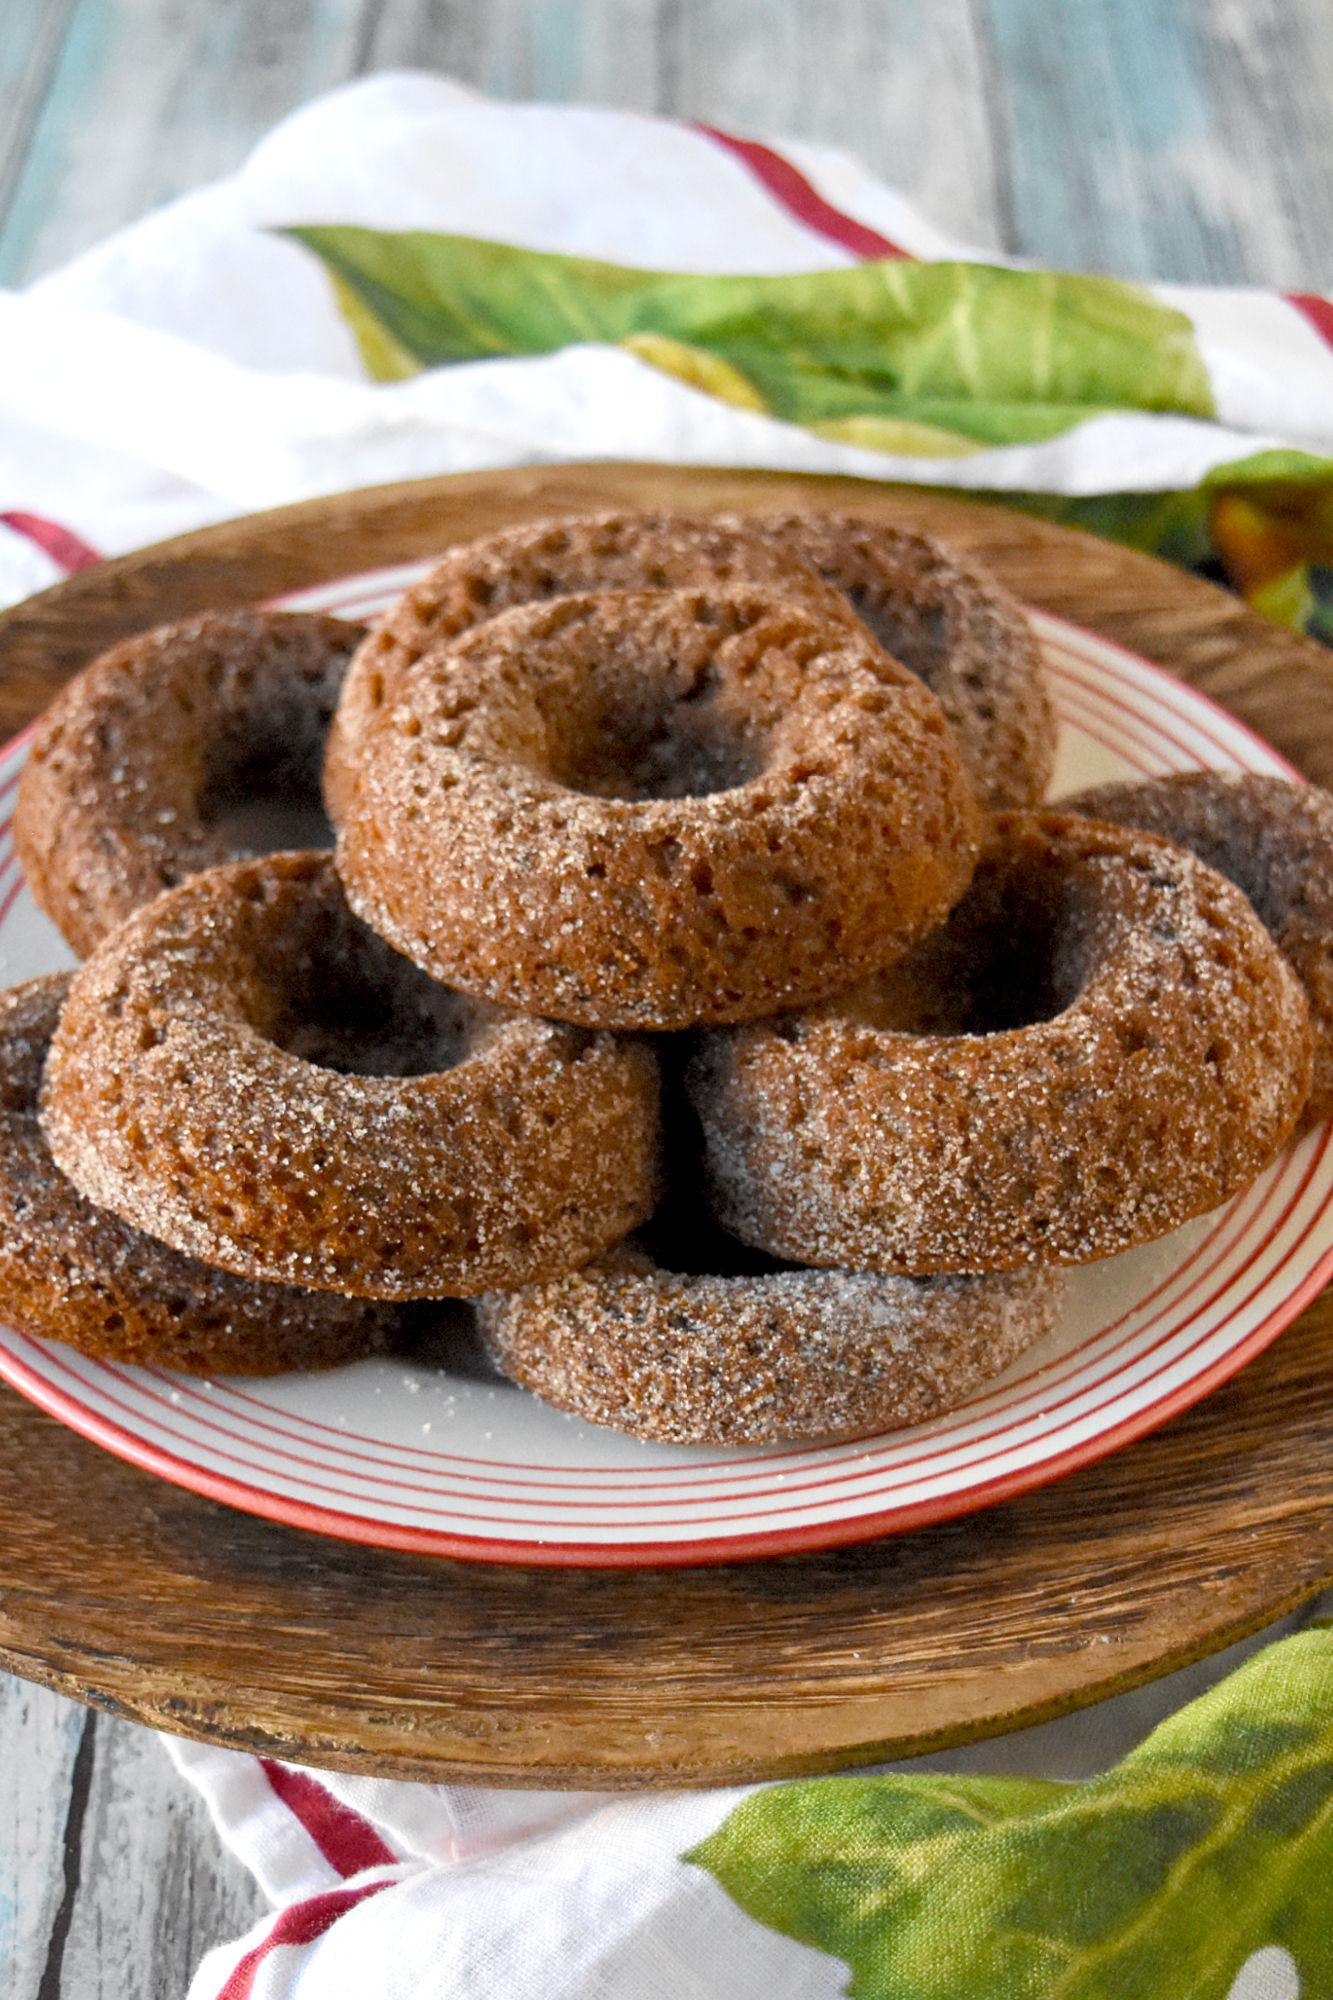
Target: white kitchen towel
x=198 y=363
x=394 y=1891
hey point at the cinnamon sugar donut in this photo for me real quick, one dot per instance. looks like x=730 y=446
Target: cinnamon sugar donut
x=657 y=809
x=753 y=1360
x=72 y=1272
x=564 y=556
x=957 y=628
x=181 y=748
x=1101 y=1043
x=1274 y=840
x=954 y=627
x=248 y=1074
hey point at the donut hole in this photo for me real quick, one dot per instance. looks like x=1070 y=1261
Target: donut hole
x=370 y=1027
x=262 y=793
x=656 y=696
x=643 y=737
x=1015 y=952
x=915 y=634
x=337 y=997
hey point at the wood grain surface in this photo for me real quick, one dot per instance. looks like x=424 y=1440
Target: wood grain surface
x=112 y=1878
x=144 y=1599
x=1188 y=141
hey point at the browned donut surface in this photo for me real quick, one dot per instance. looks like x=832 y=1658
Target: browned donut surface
x=651 y=810
x=953 y=626
x=966 y=638
x=247 y=1073
x=184 y=747
x=563 y=556
x=1101 y=1043
x=753 y=1360
x=1274 y=840
x=76 y=1273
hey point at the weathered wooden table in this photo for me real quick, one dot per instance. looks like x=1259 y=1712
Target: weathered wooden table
x=1192 y=142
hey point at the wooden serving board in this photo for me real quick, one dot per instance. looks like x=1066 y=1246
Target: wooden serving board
x=148 y=1600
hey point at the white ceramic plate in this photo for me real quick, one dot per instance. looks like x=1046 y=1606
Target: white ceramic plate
x=463 y=1464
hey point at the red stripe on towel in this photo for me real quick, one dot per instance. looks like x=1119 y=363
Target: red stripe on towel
x=63 y=546
x=1318 y=311
x=789 y=186
x=301 y=1924
x=347 y=1842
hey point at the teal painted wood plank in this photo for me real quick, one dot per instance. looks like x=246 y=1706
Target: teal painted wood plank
x=1188 y=142
x=113 y=1882
x=151 y=97
x=551 y=51
x=900 y=85
x=156 y=1883
x=31 y=38
x=40 y=1734
x=1270 y=70
x=1191 y=141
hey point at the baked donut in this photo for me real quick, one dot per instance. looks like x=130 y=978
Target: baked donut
x=72 y=1272
x=951 y=625
x=756 y=1359
x=1102 y=1042
x=248 y=1074
x=179 y=749
x=1274 y=840
x=955 y=627
x=563 y=556
x=658 y=809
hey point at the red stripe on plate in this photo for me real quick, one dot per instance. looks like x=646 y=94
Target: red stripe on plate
x=1074 y=642
x=17 y=749
x=1082 y=709
x=728 y=1547
x=1166 y=1336
x=11 y=897
x=823 y=1468
x=792 y=191
x=821 y=1487
x=818 y=1461
x=549 y=1550
x=1166 y=738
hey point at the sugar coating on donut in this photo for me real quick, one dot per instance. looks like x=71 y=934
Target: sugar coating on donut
x=955 y=627
x=179 y=749
x=1101 y=1043
x=565 y=555
x=691 y=1359
x=1274 y=840
x=657 y=809
x=72 y=1272
x=245 y=1072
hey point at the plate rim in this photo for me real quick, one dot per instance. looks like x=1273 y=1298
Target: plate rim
x=564 y=1551
x=642 y=1554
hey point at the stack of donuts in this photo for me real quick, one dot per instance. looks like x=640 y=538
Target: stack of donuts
x=695 y=983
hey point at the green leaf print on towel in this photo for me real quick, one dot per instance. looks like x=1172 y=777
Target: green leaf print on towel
x=1164 y=1878
x=951 y=355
